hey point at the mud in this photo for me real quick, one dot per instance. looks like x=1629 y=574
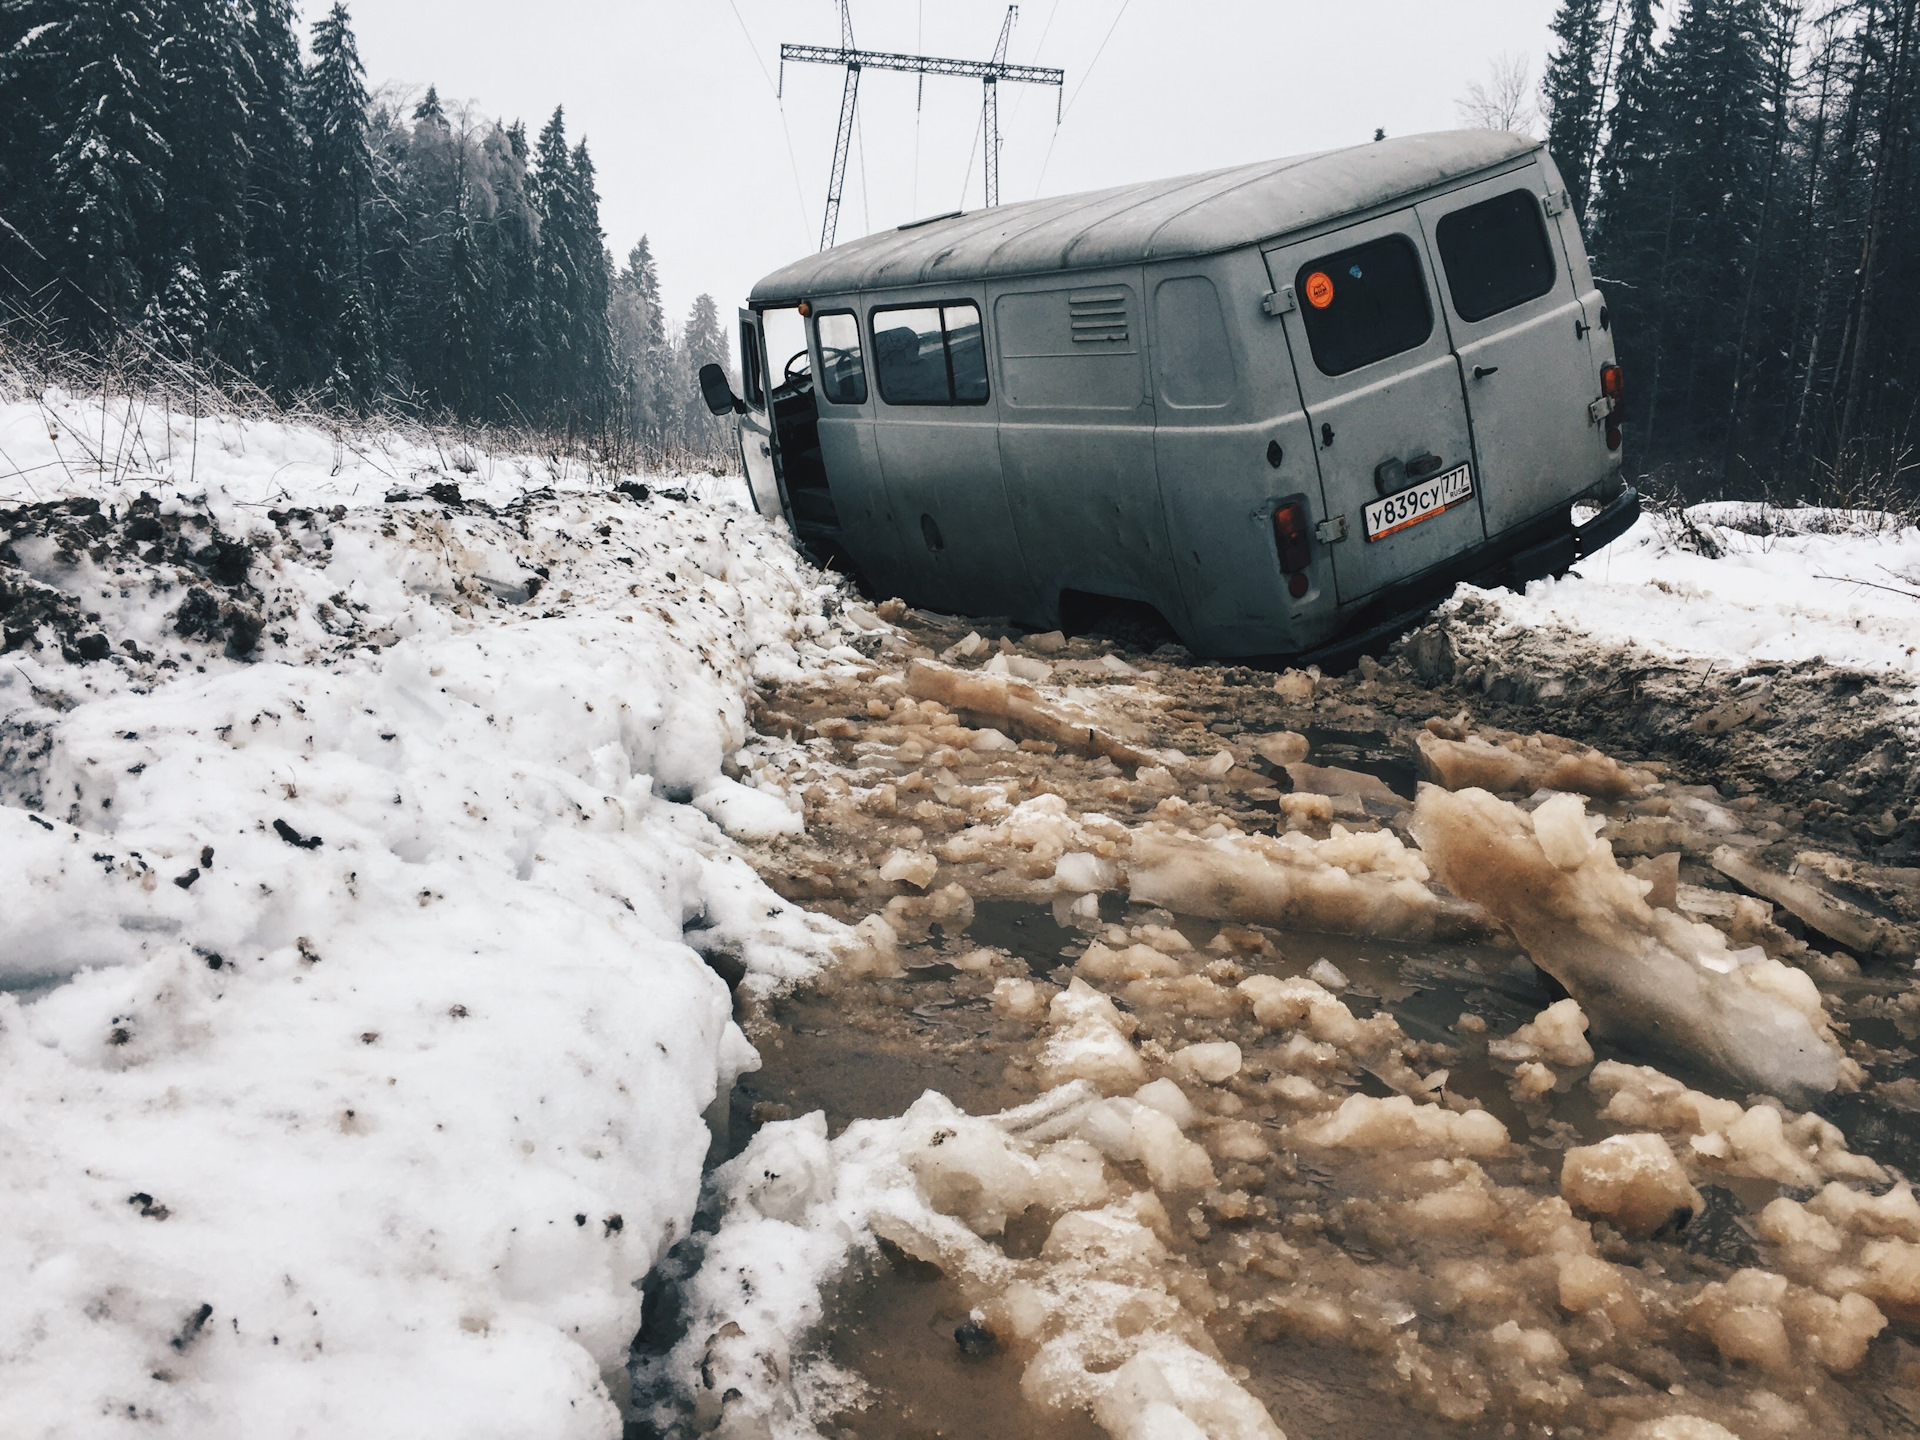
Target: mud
x=1393 y=1239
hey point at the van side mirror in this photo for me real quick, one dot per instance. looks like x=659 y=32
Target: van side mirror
x=718 y=393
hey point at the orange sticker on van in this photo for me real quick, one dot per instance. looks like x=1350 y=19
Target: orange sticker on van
x=1319 y=289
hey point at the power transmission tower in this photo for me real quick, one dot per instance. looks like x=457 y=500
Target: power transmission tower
x=989 y=72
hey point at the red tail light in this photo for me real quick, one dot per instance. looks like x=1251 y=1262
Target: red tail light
x=1291 y=535
x=1613 y=385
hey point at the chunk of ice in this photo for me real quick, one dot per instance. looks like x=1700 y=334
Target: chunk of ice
x=1213 y=1061
x=1509 y=764
x=1631 y=1181
x=1644 y=977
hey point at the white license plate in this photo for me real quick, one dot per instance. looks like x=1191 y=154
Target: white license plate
x=1419 y=502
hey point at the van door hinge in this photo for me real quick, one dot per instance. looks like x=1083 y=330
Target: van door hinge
x=1331 y=532
x=1279 y=302
x=1598 y=410
x=1557 y=202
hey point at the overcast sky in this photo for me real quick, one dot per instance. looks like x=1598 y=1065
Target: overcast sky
x=677 y=101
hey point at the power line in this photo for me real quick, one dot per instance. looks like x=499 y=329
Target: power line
x=854 y=60
x=799 y=191
x=919 y=96
x=1076 y=95
x=1093 y=62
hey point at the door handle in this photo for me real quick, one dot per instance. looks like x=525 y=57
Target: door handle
x=765 y=449
x=1480 y=372
x=1392 y=475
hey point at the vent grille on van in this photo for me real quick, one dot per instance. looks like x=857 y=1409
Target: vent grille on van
x=1099 y=316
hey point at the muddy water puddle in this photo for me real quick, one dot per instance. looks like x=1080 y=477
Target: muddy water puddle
x=1385 y=1207
x=869 y=1051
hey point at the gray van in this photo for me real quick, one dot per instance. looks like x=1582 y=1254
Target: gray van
x=1286 y=405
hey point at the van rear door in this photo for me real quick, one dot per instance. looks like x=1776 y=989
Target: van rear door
x=1384 y=400
x=1520 y=332
x=756 y=425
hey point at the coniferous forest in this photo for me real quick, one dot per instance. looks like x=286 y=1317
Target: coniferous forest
x=175 y=173
x=1746 y=182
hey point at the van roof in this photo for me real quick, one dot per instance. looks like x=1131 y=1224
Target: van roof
x=1154 y=220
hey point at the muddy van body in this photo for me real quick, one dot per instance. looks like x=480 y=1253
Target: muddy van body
x=1286 y=405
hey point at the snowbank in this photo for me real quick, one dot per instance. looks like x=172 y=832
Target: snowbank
x=354 y=1048
x=1810 y=586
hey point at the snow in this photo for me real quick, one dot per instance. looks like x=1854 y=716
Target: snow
x=1819 y=587
x=354 y=1049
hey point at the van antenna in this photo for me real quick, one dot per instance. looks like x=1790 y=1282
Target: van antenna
x=989 y=72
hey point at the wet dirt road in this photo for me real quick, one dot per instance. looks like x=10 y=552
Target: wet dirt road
x=1225 y=859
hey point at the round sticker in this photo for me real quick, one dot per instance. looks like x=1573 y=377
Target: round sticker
x=1319 y=289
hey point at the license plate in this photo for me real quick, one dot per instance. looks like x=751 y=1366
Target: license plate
x=1419 y=502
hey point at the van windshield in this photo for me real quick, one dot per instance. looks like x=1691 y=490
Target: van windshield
x=1496 y=254
x=1364 y=304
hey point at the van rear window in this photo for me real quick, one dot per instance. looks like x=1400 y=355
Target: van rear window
x=1364 y=304
x=1496 y=254
x=843 y=374
x=932 y=355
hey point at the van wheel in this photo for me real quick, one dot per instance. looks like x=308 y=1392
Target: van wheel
x=1132 y=623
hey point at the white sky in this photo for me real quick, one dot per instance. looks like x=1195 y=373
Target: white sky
x=691 y=147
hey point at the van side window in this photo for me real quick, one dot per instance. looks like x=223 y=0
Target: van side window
x=1364 y=304
x=750 y=367
x=843 y=372
x=932 y=355
x=1496 y=255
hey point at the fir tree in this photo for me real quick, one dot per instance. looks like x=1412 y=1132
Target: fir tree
x=1571 y=92
x=1628 y=126
x=334 y=98
x=109 y=169
x=556 y=274
x=705 y=343
x=209 y=76
x=276 y=191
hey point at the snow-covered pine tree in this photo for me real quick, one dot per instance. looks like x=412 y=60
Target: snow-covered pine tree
x=705 y=343
x=207 y=71
x=1570 y=92
x=1628 y=126
x=334 y=105
x=277 y=169
x=30 y=80
x=511 y=248
x=557 y=268
x=592 y=390
x=1696 y=196
x=107 y=174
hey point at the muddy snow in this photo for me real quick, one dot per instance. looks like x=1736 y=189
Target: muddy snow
x=1475 y=1044
x=490 y=952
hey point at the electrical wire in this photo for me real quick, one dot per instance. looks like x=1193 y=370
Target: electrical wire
x=799 y=191
x=1067 y=109
x=1094 y=63
x=967 y=179
x=919 y=96
x=860 y=139
x=1034 y=59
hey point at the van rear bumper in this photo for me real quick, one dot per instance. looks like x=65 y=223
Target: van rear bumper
x=1579 y=541
x=1547 y=545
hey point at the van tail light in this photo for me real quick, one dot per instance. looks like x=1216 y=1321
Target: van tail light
x=1613 y=385
x=1290 y=533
